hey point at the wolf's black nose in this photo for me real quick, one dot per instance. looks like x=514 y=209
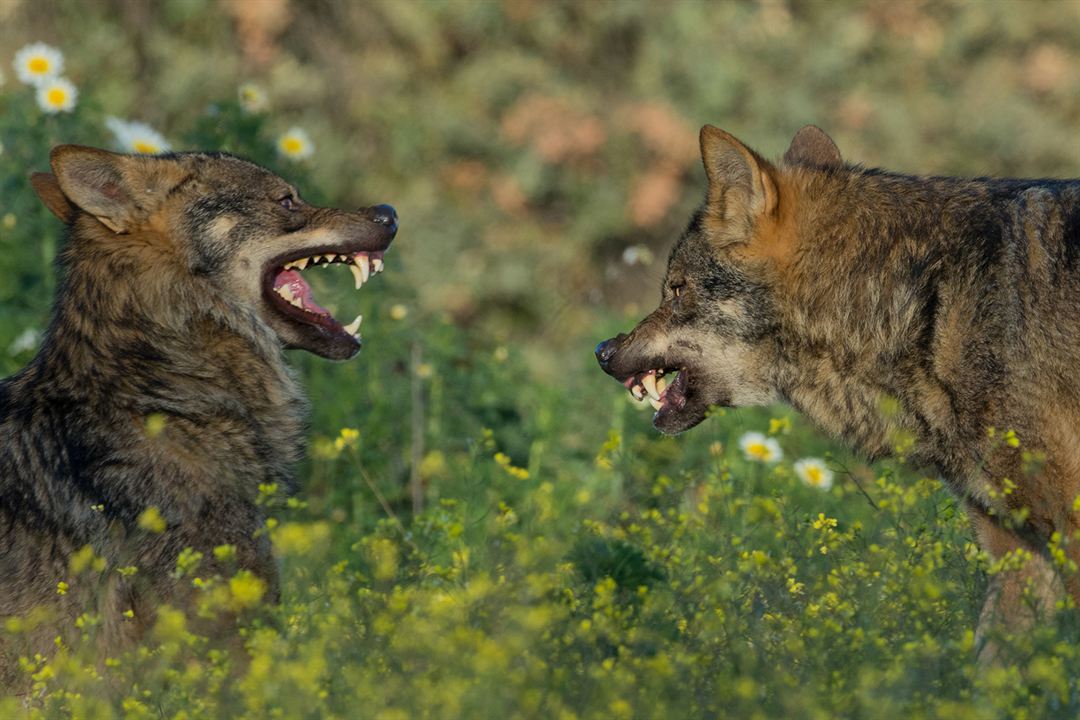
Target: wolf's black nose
x=384 y=215
x=604 y=351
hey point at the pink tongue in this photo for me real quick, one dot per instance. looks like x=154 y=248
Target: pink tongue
x=300 y=289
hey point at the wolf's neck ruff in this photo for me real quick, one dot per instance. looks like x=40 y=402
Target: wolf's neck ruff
x=129 y=343
x=928 y=286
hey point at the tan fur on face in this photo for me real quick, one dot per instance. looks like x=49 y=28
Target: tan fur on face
x=221 y=227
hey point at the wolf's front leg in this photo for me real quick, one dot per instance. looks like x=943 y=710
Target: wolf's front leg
x=1018 y=597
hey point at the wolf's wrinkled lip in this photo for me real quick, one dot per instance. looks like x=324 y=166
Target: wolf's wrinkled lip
x=290 y=294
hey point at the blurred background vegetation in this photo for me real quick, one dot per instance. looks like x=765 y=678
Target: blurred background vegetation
x=528 y=144
x=543 y=157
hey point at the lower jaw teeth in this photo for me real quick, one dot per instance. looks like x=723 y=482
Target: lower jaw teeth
x=354 y=327
x=655 y=403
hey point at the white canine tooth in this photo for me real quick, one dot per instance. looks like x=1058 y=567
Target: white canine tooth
x=364 y=268
x=661 y=385
x=649 y=381
x=655 y=403
x=354 y=327
x=358 y=274
x=638 y=392
x=376 y=265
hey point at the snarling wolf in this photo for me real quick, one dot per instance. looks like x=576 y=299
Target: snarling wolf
x=161 y=381
x=880 y=304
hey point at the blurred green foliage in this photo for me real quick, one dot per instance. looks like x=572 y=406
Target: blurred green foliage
x=567 y=561
x=528 y=143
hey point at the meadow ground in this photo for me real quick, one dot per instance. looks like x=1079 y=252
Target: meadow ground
x=487 y=527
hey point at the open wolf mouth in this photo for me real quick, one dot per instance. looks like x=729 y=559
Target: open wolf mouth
x=679 y=389
x=665 y=396
x=291 y=295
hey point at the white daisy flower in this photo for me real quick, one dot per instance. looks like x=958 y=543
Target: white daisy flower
x=637 y=255
x=137 y=137
x=37 y=63
x=814 y=473
x=296 y=144
x=759 y=448
x=57 y=95
x=253 y=98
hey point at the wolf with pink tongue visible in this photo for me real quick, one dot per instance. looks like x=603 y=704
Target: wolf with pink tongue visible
x=161 y=390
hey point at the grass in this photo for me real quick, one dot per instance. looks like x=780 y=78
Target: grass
x=570 y=562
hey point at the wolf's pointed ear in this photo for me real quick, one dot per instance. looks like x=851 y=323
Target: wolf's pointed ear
x=98 y=182
x=48 y=189
x=811 y=146
x=741 y=188
x=737 y=175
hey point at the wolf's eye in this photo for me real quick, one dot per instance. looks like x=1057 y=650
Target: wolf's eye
x=288 y=203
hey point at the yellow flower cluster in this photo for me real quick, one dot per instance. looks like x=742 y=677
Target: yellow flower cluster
x=503 y=461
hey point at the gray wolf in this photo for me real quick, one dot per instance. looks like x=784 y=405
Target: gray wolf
x=881 y=305
x=161 y=383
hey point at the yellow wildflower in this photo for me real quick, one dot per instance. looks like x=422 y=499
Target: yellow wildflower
x=151 y=520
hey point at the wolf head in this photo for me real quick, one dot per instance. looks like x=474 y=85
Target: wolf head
x=717 y=323
x=244 y=232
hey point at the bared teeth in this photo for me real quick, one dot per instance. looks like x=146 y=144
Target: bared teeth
x=286 y=292
x=361 y=265
x=655 y=403
x=354 y=327
x=638 y=392
x=649 y=381
x=661 y=385
x=358 y=274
